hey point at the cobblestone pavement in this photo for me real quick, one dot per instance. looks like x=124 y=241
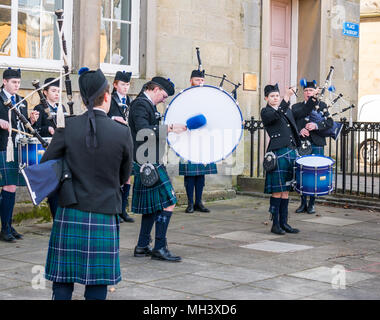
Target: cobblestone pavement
x=229 y=253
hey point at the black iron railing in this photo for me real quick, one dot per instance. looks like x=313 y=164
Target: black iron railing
x=356 y=152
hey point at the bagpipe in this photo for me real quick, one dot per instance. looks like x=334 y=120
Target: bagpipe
x=45 y=179
x=321 y=113
x=222 y=78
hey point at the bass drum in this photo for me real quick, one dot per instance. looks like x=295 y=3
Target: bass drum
x=222 y=133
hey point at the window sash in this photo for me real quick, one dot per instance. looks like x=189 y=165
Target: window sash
x=37 y=63
x=133 y=67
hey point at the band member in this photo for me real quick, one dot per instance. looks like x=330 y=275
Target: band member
x=155 y=203
x=47 y=122
x=10 y=177
x=119 y=112
x=84 y=242
x=195 y=173
x=310 y=131
x=279 y=122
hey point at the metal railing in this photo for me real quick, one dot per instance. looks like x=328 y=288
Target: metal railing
x=356 y=152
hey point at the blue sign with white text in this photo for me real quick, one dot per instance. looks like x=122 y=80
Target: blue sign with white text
x=351 y=29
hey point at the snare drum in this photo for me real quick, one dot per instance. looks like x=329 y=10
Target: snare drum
x=314 y=175
x=31 y=151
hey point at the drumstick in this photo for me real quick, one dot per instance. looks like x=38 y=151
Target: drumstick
x=22 y=132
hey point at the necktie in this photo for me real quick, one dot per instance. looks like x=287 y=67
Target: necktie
x=13 y=100
x=124 y=102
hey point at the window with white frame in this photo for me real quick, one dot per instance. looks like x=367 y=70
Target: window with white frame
x=119 y=36
x=28 y=33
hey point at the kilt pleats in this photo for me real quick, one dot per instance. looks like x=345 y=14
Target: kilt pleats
x=84 y=248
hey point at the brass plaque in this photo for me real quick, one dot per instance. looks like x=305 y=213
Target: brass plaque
x=250 y=82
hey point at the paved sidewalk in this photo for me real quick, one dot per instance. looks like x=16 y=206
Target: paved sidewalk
x=228 y=254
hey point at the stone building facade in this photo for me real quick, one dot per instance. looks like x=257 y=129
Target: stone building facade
x=369 y=75
x=272 y=40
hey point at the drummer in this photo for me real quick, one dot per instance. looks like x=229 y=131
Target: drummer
x=47 y=122
x=119 y=112
x=194 y=174
x=281 y=127
x=310 y=131
x=10 y=177
x=156 y=203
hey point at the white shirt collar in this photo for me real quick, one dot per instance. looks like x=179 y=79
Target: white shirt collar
x=149 y=98
x=7 y=94
x=120 y=96
x=99 y=109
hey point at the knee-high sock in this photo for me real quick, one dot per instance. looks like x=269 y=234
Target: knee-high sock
x=162 y=224
x=124 y=196
x=189 y=186
x=274 y=209
x=199 y=185
x=62 y=291
x=96 y=292
x=147 y=222
x=6 y=208
x=284 y=212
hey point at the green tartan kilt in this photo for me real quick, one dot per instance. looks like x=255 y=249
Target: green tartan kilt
x=194 y=169
x=279 y=179
x=84 y=248
x=148 y=200
x=10 y=174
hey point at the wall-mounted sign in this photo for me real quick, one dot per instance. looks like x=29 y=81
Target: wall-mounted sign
x=351 y=29
x=249 y=82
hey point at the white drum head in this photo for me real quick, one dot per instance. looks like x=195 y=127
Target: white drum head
x=315 y=161
x=222 y=133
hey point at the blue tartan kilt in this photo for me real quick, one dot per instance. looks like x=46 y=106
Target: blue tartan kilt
x=10 y=174
x=280 y=179
x=318 y=150
x=194 y=169
x=148 y=200
x=84 y=248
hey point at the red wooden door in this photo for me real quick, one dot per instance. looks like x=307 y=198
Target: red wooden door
x=280 y=40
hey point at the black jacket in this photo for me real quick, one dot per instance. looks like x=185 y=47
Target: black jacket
x=97 y=174
x=144 y=115
x=43 y=123
x=281 y=126
x=302 y=120
x=116 y=110
x=4 y=115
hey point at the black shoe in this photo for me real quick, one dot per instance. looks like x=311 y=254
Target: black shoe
x=143 y=252
x=289 y=229
x=190 y=208
x=277 y=230
x=164 y=254
x=201 y=208
x=7 y=237
x=311 y=209
x=15 y=234
x=302 y=208
x=126 y=217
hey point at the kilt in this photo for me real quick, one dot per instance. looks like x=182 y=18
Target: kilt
x=279 y=180
x=148 y=200
x=84 y=248
x=10 y=174
x=318 y=150
x=194 y=169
